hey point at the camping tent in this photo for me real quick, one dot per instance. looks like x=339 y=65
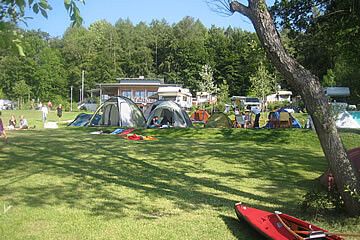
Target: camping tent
x=81 y=120
x=118 y=111
x=219 y=120
x=294 y=122
x=169 y=114
x=200 y=116
x=327 y=178
x=150 y=108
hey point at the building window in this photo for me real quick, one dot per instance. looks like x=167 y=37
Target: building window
x=169 y=98
x=140 y=94
x=126 y=93
x=150 y=93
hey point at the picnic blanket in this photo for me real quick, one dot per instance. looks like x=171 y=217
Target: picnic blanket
x=135 y=137
x=126 y=134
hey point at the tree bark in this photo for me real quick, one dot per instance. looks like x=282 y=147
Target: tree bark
x=312 y=93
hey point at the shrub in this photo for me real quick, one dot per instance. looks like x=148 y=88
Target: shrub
x=319 y=201
x=275 y=105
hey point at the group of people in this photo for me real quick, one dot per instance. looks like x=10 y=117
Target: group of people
x=155 y=122
x=45 y=110
x=243 y=119
x=23 y=124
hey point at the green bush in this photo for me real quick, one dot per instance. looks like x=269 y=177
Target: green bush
x=320 y=201
x=275 y=105
x=64 y=102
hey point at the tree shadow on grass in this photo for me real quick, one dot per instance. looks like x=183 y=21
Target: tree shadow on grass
x=109 y=176
x=241 y=229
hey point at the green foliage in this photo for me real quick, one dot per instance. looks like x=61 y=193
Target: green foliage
x=354 y=193
x=188 y=52
x=319 y=201
x=2 y=94
x=262 y=83
x=178 y=53
x=14 y=11
x=21 y=89
x=222 y=96
x=276 y=105
x=329 y=79
x=325 y=35
x=207 y=81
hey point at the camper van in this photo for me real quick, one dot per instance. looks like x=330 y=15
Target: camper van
x=335 y=92
x=338 y=96
x=245 y=102
x=252 y=102
x=181 y=96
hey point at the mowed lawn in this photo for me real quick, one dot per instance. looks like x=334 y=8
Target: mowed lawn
x=69 y=184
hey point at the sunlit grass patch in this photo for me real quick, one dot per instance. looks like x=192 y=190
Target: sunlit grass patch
x=69 y=184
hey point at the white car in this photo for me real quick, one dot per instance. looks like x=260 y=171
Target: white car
x=6 y=104
x=251 y=102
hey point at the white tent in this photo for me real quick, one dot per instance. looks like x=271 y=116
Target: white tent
x=118 y=111
x=345 y=120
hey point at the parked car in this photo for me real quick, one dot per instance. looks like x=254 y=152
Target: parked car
x=251 y=102
x=6 y=104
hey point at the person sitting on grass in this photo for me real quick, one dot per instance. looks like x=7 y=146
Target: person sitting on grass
x=23 y=123
x=155 y=123
x=2 y=129
x=12 y=123
x=247 y=119
x=240 y=119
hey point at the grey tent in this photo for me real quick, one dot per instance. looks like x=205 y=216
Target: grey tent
x=118 y=111
x=169 y=113
x=151 y=107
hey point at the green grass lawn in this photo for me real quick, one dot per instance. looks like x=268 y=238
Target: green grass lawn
x=35 y=117
x=69 y=184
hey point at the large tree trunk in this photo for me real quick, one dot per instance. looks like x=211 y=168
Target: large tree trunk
x=311 y=92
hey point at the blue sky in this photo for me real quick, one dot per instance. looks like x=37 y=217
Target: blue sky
x=140 y=10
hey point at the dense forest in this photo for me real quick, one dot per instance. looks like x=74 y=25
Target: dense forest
x=176 y=52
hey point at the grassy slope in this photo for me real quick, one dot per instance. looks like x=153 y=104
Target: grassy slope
x=68 y=184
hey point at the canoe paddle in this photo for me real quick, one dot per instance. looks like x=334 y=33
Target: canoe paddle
x=357 y=235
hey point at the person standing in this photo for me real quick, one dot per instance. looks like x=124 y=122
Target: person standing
x=45 y=112
x=59 y=111
x=256 y=111
x=49 y=105
x=2 y=130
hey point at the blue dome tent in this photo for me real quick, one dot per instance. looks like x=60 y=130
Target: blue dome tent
x=276 y=115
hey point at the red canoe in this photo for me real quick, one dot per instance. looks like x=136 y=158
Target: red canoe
x=279 y=226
